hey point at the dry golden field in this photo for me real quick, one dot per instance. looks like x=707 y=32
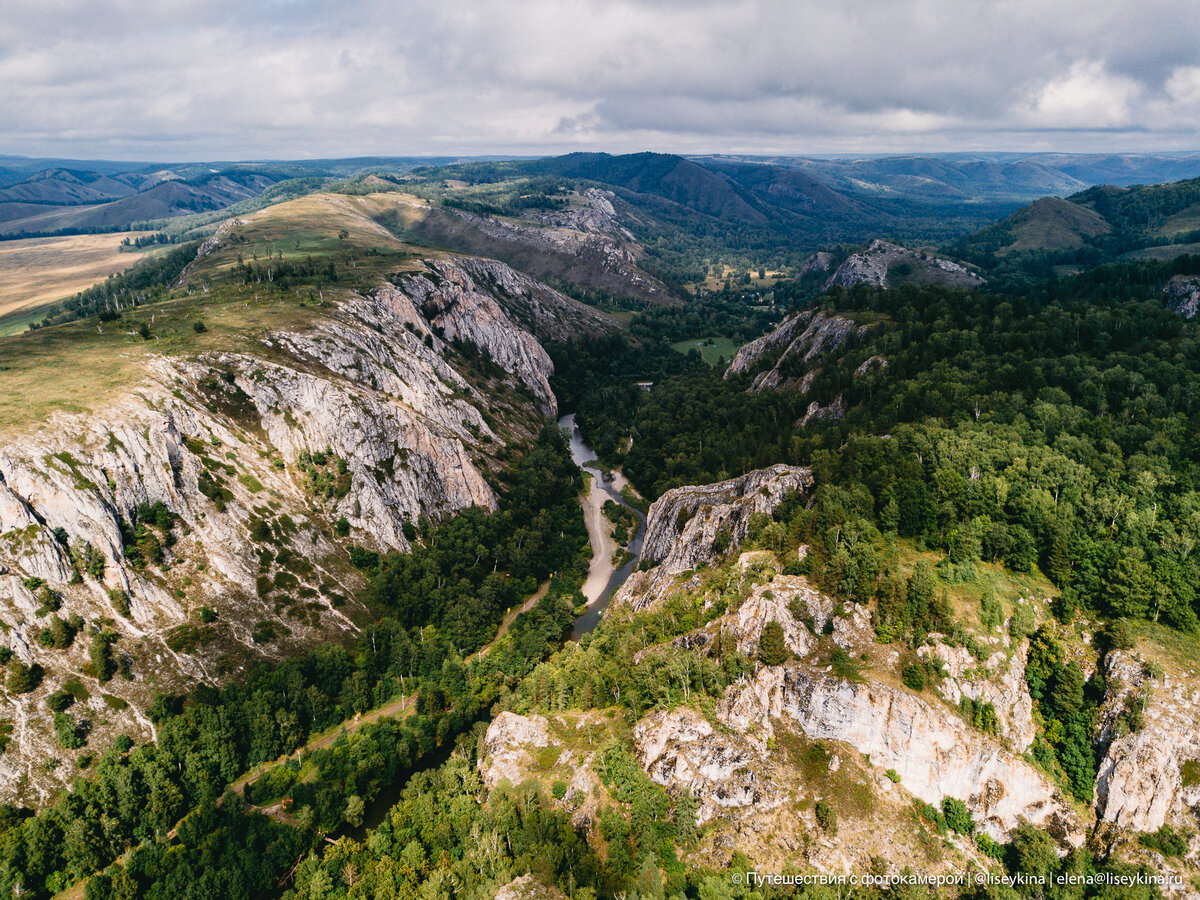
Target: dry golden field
x=37 y=271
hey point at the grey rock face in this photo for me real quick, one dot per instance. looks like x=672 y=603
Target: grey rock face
x=1183 y=295
x=816 y=263
x=680 y=749
x=689 y=524
x=795 y=345
x=219 y=439
x=935 y=754
x=871 y=267
x=1140 y=782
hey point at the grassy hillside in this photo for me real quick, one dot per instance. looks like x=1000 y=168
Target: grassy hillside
x=1091 y=227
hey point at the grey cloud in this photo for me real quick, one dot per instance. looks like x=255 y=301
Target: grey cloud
x=299 y=77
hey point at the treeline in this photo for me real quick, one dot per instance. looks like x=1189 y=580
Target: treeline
x=477 y=565
x=444 y=831
x=1063 y=435
x=148 y=281
x=724 y=314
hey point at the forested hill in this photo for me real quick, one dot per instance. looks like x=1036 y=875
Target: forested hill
x=1060 y=431
x=1101 y=224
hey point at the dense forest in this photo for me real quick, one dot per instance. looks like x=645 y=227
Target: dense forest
x=1062 y=433
x=142 y=796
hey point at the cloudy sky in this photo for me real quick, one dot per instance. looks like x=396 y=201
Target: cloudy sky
x=237 y=79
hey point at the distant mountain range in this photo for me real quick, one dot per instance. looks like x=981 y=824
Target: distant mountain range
x=771 y=205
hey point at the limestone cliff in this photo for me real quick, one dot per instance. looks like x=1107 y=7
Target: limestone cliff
x=935 y=754
x=1183 y=295
x=787 y=358
x=585 y=243
x=884 y=264
x=1140 y=783
x=688 y=525
x=264 y=464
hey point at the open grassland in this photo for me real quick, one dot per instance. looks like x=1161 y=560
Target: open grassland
x=37 y=271
x=711 y=349
x=355 y=231
x=965 y=595
x=1163 y=253
x=80 y=366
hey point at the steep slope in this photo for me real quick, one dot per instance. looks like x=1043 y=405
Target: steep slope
x=689 y=525
x=200 y=516
x=584 y=244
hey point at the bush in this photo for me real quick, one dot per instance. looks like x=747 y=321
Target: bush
x=826 y=817
x=914 y=676
x=71 y=734
x=59 y=701
x=893 y=775
x=772 y=647
x=958 y=817
x=119 y=598
x=1166 y=841
x=559 y=789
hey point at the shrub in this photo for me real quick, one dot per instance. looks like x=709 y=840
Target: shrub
x=826 y=817
x=119 y=598
x=1166 y=841
x=893 y=775
x=772 y=647
x=958 y=817
x=914 y=676
x=559 y=789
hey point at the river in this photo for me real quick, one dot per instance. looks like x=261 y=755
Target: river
x=603 y=576
x=602 y=581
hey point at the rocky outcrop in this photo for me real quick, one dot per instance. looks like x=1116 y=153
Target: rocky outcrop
x=688 y=525
x=585 y=241
x=818 y=413
x=884 y=264
x=1183 y=295
x=1140 y=783
x=518 y=748
x=1000 y=681
x=460 y=311
x=681 y=750
x=359 y=423
x=787 y=355
x=590 y=211
x=933 y=752
x=816 y=264
x=507 y=745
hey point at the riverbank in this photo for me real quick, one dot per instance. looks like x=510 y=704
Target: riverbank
x=604 y=576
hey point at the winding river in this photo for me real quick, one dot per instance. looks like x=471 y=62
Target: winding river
x=603 y=577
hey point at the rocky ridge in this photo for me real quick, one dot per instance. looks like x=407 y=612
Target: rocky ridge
x=935 y=754
x=688 y=525
x=586 y=235
x=884 y=264
x=368 y=419
x=1183 y=295
x=1140 y=783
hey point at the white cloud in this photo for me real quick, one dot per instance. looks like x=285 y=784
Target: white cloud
x=182 y=78
x=1088 y=97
